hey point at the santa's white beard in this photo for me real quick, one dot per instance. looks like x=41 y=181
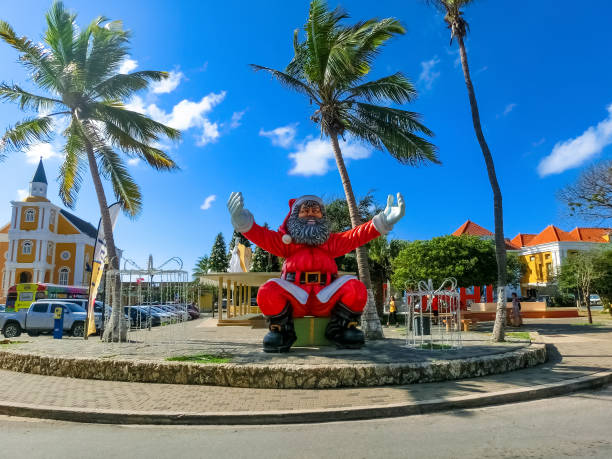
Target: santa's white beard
x=309 y=231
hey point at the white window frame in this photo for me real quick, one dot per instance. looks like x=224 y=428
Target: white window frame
x=30 y=215
x=64 y=270
x=49 y=249
x=27 y=244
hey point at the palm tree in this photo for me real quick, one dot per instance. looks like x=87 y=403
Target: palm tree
x=328 y=68
x=201 y=267
x=77 y=70
x=459 y=28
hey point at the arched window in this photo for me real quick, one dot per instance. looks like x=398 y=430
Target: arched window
x=63 y=276
x=30 y=215
x=26 y=247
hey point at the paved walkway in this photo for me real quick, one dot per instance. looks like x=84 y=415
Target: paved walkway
x=576 y=351
x=243 y=345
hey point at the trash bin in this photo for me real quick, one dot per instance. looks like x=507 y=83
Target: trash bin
x=424 y=328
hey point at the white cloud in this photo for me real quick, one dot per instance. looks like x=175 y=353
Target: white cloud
x=236 y=117
x=282 y=136
x=315 y=156
x=133 y=161
x=208 y=202
x=509 y=108
x=40 y=150
x=22 y=194
x=428 y=75
x=539 y=142
x=169 y=84
x=573 y=152
x=185 y=115
x=128 y=65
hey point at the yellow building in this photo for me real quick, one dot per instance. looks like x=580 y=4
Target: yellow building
x=44 y=243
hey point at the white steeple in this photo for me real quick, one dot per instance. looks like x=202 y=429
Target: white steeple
x=38 y=185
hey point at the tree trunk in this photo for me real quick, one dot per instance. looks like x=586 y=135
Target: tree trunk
x=116 y=331
x=370 y=322
x=500 y=242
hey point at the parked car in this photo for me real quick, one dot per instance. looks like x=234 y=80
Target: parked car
x=39 y=317
x=193 y=311
x=178 y=312
x=142 y=316
x=595 y=300
x=83 y=304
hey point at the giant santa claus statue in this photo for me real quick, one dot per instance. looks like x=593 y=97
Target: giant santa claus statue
x=309 y=283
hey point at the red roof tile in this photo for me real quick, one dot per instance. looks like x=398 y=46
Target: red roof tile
x=521 y=240
x=473 y=229
x=552 y=234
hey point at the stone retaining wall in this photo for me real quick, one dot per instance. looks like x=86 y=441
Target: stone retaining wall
x=273 y=376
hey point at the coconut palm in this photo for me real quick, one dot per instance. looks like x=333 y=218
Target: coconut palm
x=459 y=29
x=328 y=68
x=77 y=71
x=201 y=267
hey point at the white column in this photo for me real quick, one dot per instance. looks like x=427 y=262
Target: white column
x=79 y=263
x=17 y=216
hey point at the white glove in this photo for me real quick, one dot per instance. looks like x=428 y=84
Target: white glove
x=384 y=221
x=242 y=219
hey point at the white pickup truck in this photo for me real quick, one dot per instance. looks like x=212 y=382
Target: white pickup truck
x=40 y=316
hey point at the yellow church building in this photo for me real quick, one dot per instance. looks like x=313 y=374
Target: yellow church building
x=43 y=242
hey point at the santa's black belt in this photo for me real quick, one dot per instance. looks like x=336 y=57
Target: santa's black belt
x=312 y=277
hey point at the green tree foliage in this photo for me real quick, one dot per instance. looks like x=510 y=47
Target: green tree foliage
x=584 y=273
x=469 y=259
x=264 y=261
x=202 y=266
x=218 y=261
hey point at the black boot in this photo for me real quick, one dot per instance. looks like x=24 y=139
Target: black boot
x=282 y=333
x=342 y=328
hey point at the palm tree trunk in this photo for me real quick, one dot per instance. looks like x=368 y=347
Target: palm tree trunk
x=116 y=329
x=500 y=242
x=370 y=322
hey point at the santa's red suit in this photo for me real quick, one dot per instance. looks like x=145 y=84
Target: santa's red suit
x=309 y=280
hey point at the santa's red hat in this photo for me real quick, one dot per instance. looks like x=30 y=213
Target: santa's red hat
x=292 y=205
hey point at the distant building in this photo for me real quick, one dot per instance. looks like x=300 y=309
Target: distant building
x=44 y=243
x=543 y=253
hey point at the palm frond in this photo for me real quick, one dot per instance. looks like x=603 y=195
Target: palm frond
x=401 y=119
x=153 y=156
x=134 y=124
x=289 y=81
x=60 y=34
x=71 y=172
x=25 y=133
x=25 y=99
x=402 y=144
x=122 y=86
x=125 y=188
x=396 y=88
x=107 y=50
x=33 y=56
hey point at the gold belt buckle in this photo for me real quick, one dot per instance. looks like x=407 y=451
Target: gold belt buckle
x=312 y=273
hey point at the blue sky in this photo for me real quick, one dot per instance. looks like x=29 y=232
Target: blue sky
x=542 y=73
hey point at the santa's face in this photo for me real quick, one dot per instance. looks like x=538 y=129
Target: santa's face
x=308 y=224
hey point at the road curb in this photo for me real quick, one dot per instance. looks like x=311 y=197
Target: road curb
x=307 y=416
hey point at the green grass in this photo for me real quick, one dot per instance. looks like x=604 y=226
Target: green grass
x=8 y=342
x=201 y=358
x=519 y=335
x=435 y=346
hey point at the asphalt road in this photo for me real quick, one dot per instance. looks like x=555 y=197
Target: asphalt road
x=578 y=425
